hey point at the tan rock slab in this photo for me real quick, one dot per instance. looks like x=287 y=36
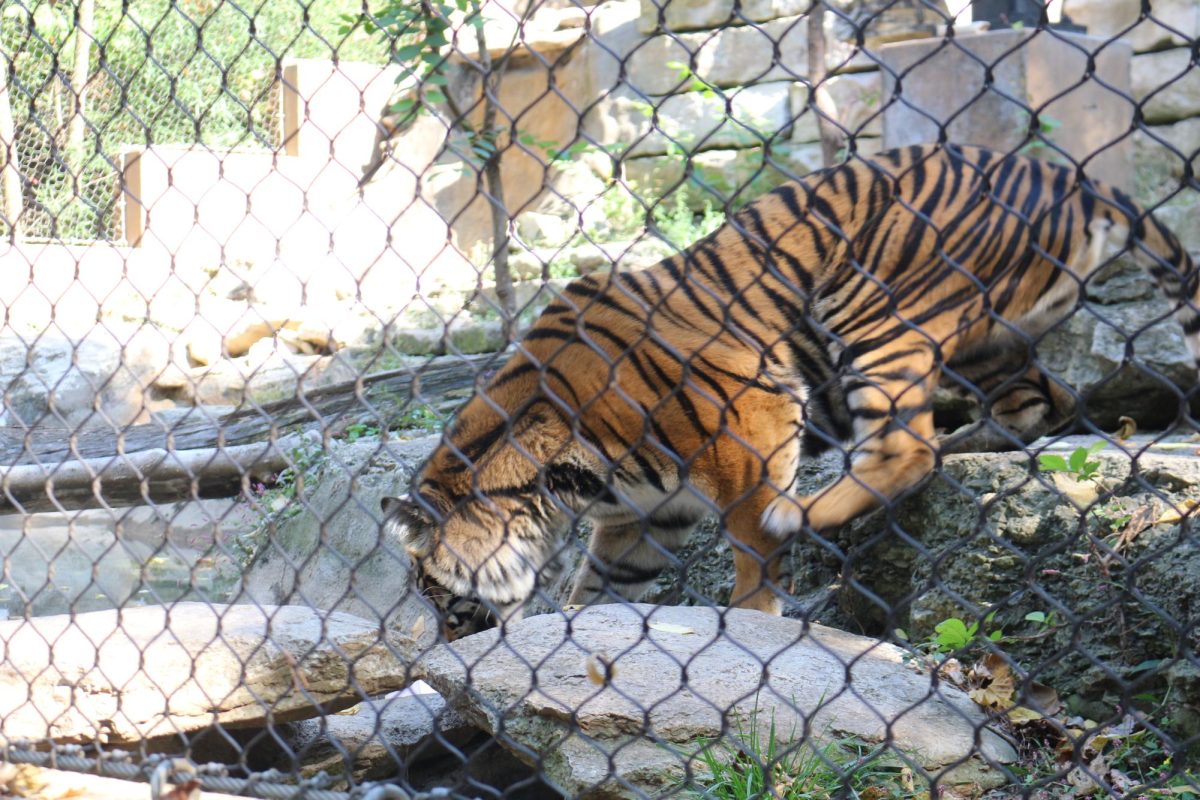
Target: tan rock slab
x=690 y=15
x=1085 y=105
x=857 y=107
x=727 y=57
x=1167 y=85
x=695 y=121
x=123 y=676
x=378 y=738
x=1170 y=23
x=684 y=675
x=730 y=176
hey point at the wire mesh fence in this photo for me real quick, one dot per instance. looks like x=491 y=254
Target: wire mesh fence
x=622 y=399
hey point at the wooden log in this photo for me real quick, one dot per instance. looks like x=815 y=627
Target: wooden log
x=52 y=469
x=141 y=478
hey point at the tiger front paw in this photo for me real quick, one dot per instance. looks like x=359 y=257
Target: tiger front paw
x=784 y=516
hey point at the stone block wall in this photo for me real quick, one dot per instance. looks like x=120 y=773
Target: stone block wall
x=726 y=101
x=1166 y=86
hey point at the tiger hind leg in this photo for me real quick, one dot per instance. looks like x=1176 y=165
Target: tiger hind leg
x=1021 y=402
x=890 y=400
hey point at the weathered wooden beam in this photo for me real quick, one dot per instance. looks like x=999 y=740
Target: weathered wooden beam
x=52 y=469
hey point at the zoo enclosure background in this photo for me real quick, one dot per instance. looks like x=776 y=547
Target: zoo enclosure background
x=296 y=282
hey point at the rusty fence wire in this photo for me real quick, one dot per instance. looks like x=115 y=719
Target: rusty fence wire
x=642 y=398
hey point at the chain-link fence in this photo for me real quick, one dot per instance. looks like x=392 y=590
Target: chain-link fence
x=426 y=399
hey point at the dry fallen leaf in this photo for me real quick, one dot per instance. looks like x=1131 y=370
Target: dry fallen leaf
x=1142 y=518
x=1174 y=514
x=1126 y=427
x=951 y=671
x=993 y=681
x=1043 y=698
x=418 y=628
x=600 y=670
x=1020 y=715
x=667 y=627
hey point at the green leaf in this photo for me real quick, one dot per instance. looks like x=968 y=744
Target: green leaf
x=1096 y=447
x=952 y=634
x=1036 y=616
x=996 y=635
x=900 y=633
x=434 y=96
x=1050 y=462
x=409 y=52
x=1078 y=459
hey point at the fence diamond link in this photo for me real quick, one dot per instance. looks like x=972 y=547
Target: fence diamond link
x=642 y=398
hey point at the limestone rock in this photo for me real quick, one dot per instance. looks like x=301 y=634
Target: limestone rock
x=732 y=56
x=327 y=549
x=690 y=15
x=1116 y=17
x=96 y=380
x=701 y=121
x=731 y=176
x=857 y=107
x=1166 y=85
x=1122 y=599
x=1180 y=214
x=531 y=689
x=1088 y=352
x=1160 y=154
x=378 y=739
x=123 y=676
x=990 y=532
x=1050 y=74
x=277 y=375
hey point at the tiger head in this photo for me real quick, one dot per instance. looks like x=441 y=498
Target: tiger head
x=483 y=522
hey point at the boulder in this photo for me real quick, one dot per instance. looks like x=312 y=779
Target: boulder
x=1161 y=152
x=1107 y=557
x=323 y=547
x=728 y=57
x=124 y=676
x=1000 y=78
x=857 y=107
x=1123 y=352
x=1166 y=85
x=694 y=121
x=278 y=373
x=990 y=532
x=1170 y=23
x=96 y=380
x=618 y=699
x=690 y=15
x=378 y=738
x=719 y=177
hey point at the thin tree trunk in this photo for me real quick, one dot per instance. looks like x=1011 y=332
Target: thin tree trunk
x=10 y=176
x=490 y=82
x=80 y=72
x=819 y=98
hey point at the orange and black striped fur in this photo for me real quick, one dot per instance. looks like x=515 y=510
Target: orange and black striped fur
x=823 y=314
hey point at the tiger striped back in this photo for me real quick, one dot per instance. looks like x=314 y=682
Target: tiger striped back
x=823 y=313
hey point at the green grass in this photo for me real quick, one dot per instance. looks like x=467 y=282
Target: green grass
x=752 y=764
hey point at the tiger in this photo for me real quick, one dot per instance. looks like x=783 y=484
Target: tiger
x=821 y=315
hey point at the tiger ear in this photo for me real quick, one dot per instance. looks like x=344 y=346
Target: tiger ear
x=416 y=525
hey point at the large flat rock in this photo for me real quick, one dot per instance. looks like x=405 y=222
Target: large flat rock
x=684 y=676
x=126 y=675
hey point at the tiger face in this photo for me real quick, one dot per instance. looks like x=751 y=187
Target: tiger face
x=459 y=615
x=467 y=600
